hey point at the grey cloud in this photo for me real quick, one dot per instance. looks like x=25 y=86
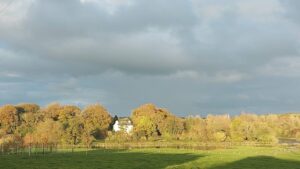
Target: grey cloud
x=148 y=38
x=191 y=56
x=292 y=9
x=90 y=40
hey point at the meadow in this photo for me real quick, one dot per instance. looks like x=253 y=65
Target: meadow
x=245 y=157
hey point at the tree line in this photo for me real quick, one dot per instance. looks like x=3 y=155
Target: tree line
x=29 y=125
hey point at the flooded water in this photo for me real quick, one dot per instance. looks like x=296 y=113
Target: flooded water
x=176 y=146
x=288 y=141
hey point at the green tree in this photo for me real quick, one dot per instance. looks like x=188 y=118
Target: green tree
x=145 y=127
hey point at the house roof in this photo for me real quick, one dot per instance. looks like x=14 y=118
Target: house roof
x=124 y=121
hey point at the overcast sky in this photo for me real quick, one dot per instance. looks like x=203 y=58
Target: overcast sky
x=190 y=56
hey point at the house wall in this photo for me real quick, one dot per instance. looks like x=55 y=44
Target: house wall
x=127 y=128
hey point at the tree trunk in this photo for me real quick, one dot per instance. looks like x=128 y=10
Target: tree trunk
x=29 y=152
x=74 y=142
x=43 y=149
x=87 y=147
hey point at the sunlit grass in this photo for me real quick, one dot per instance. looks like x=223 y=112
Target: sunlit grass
x=241 y=157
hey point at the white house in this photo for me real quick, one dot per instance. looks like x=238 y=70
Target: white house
x=123 y=124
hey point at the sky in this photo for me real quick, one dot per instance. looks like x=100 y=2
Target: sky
x=193 y=57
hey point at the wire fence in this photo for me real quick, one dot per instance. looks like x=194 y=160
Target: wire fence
x=64 y=148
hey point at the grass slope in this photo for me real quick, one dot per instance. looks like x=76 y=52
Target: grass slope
x=238 y=158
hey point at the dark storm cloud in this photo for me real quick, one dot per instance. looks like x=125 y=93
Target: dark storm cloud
x=90 y=40
x=190 y=56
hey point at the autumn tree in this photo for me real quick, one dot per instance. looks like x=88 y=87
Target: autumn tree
x=288 y=124
x=52 y=111
x=29 y=140
x=29 y=116
x=73 y=133
x=29 y=125
x=242 y=127
x=174 y=128
x=65 y=113
x=250 y=127
x=145 y=127
x=8 y=118
x=48 y=133
x=195 y=129
x=218 y=127
x=96 y=120
x=264 y=133
x=163 y=123
x=27 y=108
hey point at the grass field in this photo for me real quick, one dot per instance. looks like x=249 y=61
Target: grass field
x=237 y=158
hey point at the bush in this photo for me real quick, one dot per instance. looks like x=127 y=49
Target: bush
x=220 y=136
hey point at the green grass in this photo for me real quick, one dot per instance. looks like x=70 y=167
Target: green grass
x=237 y=158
